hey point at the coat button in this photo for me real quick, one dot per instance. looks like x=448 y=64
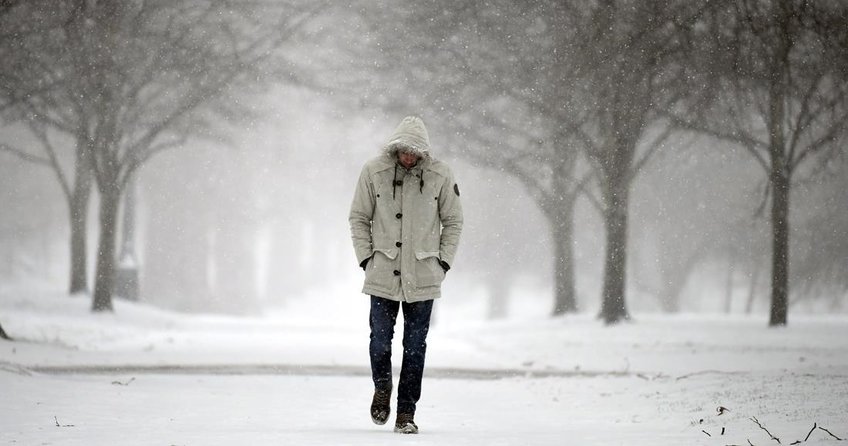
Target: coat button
x=398 y=244
x=398 y=215
x=397 y=273
x=399 y=183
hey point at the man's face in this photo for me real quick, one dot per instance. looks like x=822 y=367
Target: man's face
x=407 y=159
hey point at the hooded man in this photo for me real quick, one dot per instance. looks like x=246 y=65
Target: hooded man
x=405 y=222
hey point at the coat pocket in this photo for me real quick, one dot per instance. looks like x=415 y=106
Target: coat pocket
x=381 y=267
x=428 y=272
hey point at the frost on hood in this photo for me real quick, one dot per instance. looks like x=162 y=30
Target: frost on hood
x=410 y=135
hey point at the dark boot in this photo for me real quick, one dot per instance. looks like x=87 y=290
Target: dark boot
x=405 y=424
x=380 y=407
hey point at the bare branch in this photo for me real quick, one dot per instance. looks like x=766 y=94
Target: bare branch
x=747 y=142
x=583 y=189
x=28 y=157
x=755 y=420
x=804 y=117
x=653 y=147
x=830 y=136
x=259 y=50
x=810 y=432
x=138 y=158
x=530 y=181
x=41 y=134
x=830 y=433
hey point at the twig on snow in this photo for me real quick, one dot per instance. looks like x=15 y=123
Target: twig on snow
x=708 y=434
x=810 y=432
x=831 y=434
x=755 y=420
x=118 y=383
x=61 y=425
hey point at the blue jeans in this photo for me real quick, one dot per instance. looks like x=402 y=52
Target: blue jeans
x=416 y=324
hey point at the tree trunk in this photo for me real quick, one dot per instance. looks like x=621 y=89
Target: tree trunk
x=562 y=222
x=752 y=291
x=613 y=306
x=105 y=275
x=126 y=274
x=779 y=175
x=780 y=250
x=498 y=296
x=674 y=275
x=728 y=285
x=78 y=207
x=79 y=258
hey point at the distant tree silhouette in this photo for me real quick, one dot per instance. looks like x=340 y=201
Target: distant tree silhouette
x=127 y=80
x=773 y=79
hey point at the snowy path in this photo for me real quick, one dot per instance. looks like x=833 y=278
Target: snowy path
x=311 y=370
x=149 y=377
x=157 y=409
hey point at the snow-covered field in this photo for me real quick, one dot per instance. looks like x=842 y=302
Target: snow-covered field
x=299 y=376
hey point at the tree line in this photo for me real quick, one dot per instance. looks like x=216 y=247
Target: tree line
x=575 y=98
x=121 y=81
x=572 y=98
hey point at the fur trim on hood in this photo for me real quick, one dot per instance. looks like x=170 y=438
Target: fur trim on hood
x=410 y=134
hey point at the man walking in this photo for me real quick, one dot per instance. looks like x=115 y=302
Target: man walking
x=405 y=222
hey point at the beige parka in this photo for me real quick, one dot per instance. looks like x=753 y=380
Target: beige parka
x=405 y=220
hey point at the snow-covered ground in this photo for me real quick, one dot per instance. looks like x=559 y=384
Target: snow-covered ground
x=299 y=376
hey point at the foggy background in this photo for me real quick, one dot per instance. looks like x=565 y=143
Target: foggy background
x=247 y=210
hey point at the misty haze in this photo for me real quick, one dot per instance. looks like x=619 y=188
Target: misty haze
x=197 y=198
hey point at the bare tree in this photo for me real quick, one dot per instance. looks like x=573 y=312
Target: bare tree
x=776 y=84
x=624 y=79
x=28 y=86
x=138 y=78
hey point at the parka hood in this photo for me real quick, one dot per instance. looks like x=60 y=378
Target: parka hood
x=410 y=134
